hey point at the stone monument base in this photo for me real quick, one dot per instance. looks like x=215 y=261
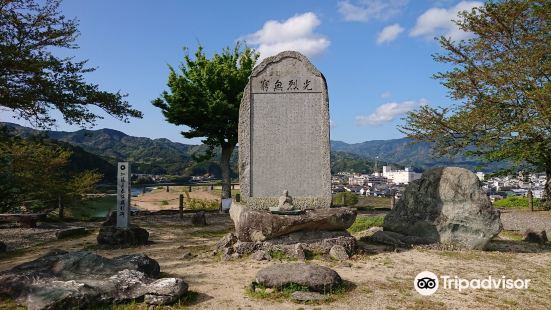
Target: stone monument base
x=261 y=225
x=299 y=245
x=133 y=235
x=314 y=232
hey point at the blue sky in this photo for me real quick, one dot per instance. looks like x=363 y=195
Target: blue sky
x=375 y=54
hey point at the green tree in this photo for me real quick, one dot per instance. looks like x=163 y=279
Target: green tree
x=34 y=81
x=34 y=173
x=205 y=96
x=502 y=77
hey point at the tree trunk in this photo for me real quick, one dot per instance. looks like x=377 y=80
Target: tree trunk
x=546 y=197
x=227 y=150
x=61 y=208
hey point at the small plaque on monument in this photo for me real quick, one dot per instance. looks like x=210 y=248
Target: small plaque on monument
x=123 y=194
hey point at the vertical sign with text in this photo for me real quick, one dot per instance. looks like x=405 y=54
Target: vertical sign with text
x=123 y=194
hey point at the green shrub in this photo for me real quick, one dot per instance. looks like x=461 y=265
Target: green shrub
x=516 y=202
x=366 y=222
x=202 y=204
x=350 y=199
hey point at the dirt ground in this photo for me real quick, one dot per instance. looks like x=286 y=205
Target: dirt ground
x=381 y=277
x=160 y=199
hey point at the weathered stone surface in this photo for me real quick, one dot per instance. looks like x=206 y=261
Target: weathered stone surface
x=69 y=232
x=226 y=242
x=259 y=225
x=338 y=252
x=261 y=255
x=165 y=291
x=535 y=237
x=308 y=296
x=315 y=277
x=284 y=134
x=3 y=247
x=244 y=247
x=64 y=280
x=298 y=252
x=311 y=242
x=446 y=205
x=199 y=219
x=111 y=235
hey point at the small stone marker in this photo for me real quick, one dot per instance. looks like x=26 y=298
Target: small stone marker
x=123 y=194
x=284 y=134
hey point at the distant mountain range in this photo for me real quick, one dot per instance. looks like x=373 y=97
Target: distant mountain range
x=406 y=152
x=162 y=156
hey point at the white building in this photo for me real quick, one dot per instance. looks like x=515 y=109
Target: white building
x=400 y=176
x=480 y=175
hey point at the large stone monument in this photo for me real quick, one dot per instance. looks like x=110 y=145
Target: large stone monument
x=284 y=164
x=284 y=134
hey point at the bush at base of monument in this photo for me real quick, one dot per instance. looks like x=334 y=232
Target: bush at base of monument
x=446 y=205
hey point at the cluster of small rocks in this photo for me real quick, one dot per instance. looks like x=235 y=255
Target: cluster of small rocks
x=338 y=245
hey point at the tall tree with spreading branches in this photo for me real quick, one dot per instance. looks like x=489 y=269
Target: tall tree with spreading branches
x=502 y=77
x=205 y=96
x=33 y=81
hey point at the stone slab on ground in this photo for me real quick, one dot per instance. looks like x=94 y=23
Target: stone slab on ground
x=316 y=278
x=446 y=205
x=63 y=280
x=69 y=232
x=260 y=225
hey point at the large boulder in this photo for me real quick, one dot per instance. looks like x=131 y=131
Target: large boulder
x=446 y=205
x=260 y=225
x=81 y=279
x=114 y=236
x=316 y=278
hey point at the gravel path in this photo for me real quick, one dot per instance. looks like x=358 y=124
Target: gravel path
x=522 y=220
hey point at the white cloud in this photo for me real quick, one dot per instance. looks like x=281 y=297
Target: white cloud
x=332 y=124
x=366 y=10
x=296 y=33
x=386 y=95
x=436 y=21
x=388 y=112
x=389 y=33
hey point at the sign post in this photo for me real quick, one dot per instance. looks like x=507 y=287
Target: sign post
x=123 y=195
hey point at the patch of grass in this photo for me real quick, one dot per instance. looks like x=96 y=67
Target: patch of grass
x=164 y=203
x=280 y=255
x=366 y=222
x=202 y=204
x=9 y=304
x=284 y=293
x=516 y=202
x=210 y=233
x=369 y=202
x=510 y=235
